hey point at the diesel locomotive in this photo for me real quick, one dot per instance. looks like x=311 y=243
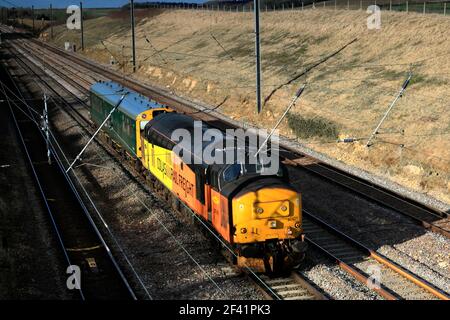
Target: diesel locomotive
x=255 y=215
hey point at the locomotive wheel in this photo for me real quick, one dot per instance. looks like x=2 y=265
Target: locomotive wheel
x=138 y=166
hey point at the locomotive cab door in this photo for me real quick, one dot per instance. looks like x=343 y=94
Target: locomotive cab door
x=200 y=182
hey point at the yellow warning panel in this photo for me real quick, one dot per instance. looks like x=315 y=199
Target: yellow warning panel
x=159 y=162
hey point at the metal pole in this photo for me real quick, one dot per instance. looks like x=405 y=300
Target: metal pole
x=407 y=7
x=399 y=95
x=51 y=20
x=133 y=40
x=46 y=129
x=258 y=58
x=82 y=26
x=297 y=95
x=445 y=8
x=390 y=5
x=96 y=132
x=32 y=14
x=424 y=7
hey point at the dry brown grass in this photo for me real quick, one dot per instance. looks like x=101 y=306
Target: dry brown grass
x=351 y=90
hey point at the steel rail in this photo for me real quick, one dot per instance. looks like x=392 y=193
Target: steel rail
x=368 y=253
x=263 y=285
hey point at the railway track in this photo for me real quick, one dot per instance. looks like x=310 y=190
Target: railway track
x=292 y=287
x=430 y=218
x=81 y=243
x=352 y=257
x=393 y=282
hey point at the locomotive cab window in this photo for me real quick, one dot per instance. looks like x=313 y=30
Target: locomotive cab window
x=158 y=112
x=232 y=173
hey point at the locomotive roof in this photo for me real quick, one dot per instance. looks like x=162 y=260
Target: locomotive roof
x=159 y=131
x=166 y=123
x=132 y=105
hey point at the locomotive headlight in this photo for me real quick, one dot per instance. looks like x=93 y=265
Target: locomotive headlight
x=297 y=224
x=283 y=208
x=273 y=224
x=243 y=230
x=289 y=232
x=259 y=210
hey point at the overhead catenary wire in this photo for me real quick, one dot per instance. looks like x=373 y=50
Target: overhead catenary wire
x=156 y=51
x=222 y=47
x=10 y=3
x=165 y=51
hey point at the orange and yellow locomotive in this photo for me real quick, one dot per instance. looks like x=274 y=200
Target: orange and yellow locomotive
x=255 y=215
